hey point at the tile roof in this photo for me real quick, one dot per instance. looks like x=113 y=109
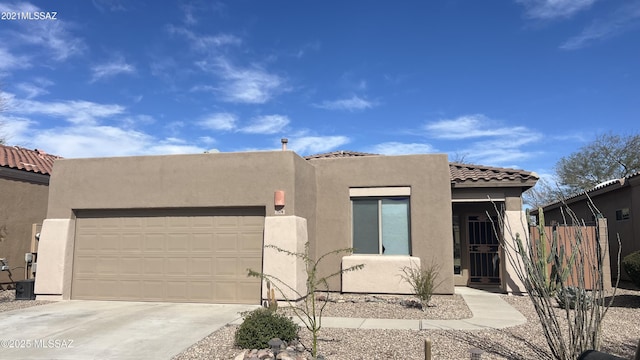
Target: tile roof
x=602 y=188
x=459 y=172
x=338 y=154
x=478 y=173
x=36 y=161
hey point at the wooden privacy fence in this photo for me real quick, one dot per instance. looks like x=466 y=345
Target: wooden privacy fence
x=587 y=241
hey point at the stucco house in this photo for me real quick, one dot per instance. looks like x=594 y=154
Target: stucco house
x=185 y=228
x=616 y=200
x=24 y=192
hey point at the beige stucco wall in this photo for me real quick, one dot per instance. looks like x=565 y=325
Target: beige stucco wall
x=381 y=274
x=22 y=204
x=199 y=180
x=55 y=260
x=515 y=224
x=429 y=179
x=287 y=272
x=315 y=191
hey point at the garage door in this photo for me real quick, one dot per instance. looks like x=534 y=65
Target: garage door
x=182 y=255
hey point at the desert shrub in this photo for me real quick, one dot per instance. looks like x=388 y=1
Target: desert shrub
x=573 y=296
x=261 y=325
x=308 y=311
x=422 y=281
x=631 y=264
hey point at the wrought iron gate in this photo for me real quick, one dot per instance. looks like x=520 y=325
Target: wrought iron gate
x=484 y=258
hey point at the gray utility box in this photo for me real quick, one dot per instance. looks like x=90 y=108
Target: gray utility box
x=25 y=289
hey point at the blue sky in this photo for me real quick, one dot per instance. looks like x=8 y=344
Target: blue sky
x=513 y=83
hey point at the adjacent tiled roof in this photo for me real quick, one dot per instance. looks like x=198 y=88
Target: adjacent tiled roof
x=36 y=161
x=338 y=154
x=479 y=173
x=459 y=172
x=601 y=188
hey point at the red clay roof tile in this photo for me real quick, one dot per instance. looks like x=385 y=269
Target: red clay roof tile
x=37 y=161
x=459 y=172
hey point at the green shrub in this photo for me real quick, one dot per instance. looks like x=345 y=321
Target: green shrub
x=631 y=264
x=572 y=296
x=422 y=281
x=261 y=325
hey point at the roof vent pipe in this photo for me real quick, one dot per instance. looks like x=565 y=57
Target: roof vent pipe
x=284 y=142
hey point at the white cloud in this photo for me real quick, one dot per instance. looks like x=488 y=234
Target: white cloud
x=470 y=126
x=100 y=141
x=622 y=20
x=503 y=151
x=353 y=103
x=74 y=111
x=252 y=85
x=53 y=35
x=9 y=61
x=189 y=13
x=206 y=43
x=110 y=5
x=398 y=148
x=267 y=124
x=307 y=145
x=14 y=128
x=551 y=9
x=115 y=67
x=34 y=89
x=485 y=141
x=219 y=121
x=312 y=46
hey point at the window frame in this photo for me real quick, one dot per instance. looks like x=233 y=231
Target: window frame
x=396 y=194
x=623 y=214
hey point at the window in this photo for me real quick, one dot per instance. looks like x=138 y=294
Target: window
x=381 y=225
x=623 y=214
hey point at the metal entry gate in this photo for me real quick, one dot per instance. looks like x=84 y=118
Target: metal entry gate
x=484 y=259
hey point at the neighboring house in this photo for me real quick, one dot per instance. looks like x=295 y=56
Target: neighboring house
x=617 y=201
x=185 y=228
x=24 y=180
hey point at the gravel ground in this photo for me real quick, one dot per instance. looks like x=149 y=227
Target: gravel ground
x=441 y=307
x=621 y=331
x=8 y=301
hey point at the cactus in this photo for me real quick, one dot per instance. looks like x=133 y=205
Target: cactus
x=573 y=296
x=554 y=256
x=271 y=303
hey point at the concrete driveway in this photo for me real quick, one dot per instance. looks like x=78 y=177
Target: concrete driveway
x=109 y=329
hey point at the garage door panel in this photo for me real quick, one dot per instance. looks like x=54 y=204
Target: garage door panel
x=153 y=266
x=178 y=266
x=178 y=243
x=177 y=291
x=168 y=255
x=129 y=289
x=130 y=243
x=201 y=291
x=226 y=242
x=250 y=242
x=152 y=222
x=86 y=265
x=107 y=265
x=249 y=263
x=154 y=242
x=154 y=289
x=130 y=266
x=201 y=267
x=226 y=267
x=202 y=243
x=247 y=290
